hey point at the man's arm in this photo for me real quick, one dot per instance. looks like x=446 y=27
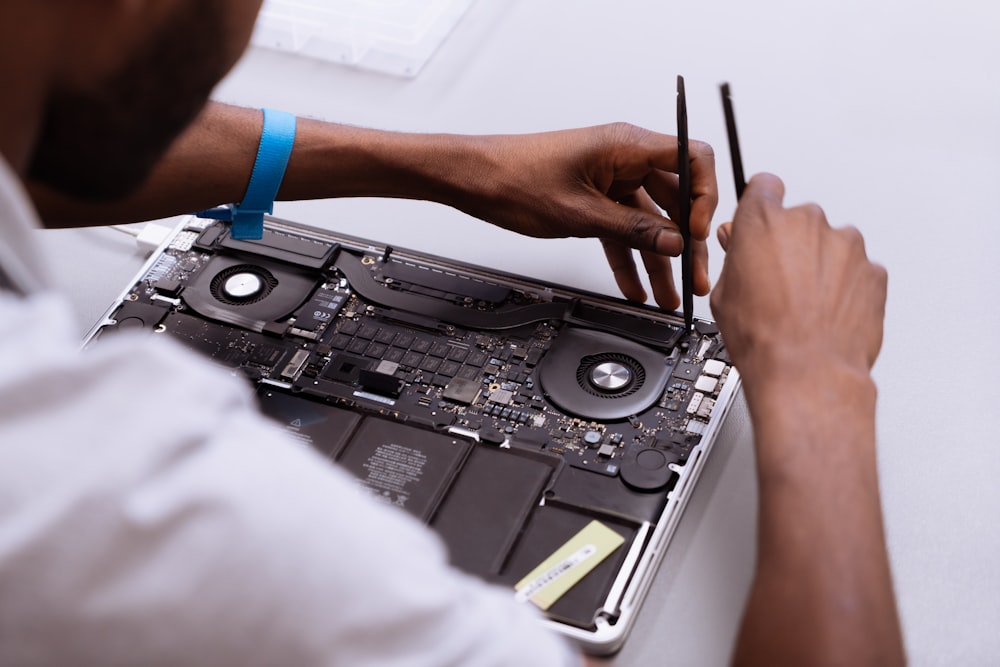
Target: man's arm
x=801 y=310
x=607 y=182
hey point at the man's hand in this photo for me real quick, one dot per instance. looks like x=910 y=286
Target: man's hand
x=800 y=307
x=606 y=182
x=794 y=292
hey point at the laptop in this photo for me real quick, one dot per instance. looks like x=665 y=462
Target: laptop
x=551 y=436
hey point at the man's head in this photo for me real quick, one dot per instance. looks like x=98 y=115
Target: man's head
x=130 y=75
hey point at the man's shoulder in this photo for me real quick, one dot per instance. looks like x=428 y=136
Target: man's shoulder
x=63 y=409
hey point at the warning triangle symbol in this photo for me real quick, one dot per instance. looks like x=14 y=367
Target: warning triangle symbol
x=296 y=423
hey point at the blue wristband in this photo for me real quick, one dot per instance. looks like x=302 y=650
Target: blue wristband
x=275 y=148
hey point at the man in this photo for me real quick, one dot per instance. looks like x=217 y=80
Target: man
x=158 y=543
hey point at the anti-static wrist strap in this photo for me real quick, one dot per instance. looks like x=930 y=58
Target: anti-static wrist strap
x=276 y=142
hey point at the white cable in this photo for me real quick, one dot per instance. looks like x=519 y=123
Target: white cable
x=131 y=231
x=147 y=239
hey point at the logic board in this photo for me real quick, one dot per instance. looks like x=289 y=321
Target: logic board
x=503 y=412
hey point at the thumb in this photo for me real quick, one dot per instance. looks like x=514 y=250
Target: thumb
x=763 y=190
x=636 y=223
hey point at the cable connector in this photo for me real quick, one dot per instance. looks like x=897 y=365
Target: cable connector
x=152 y=237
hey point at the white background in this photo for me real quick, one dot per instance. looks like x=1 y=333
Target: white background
x=885 y=112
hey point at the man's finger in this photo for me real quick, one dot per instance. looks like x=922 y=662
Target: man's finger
x=623 y=268
x=658 y=266
x=764 y=190
x=661 y=280
x=764 y=195
x=636 y=222
x=704 y=188
x=699 y=252
x=662 y=188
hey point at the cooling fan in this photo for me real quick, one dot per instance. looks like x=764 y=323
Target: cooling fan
x=598 y=376
x=246 y=294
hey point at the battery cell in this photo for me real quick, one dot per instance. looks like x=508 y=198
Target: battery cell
x=403 y=465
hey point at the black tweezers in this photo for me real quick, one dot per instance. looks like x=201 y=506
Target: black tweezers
x=734 y=141
x=684 y=208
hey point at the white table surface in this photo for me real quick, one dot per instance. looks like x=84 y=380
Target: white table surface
x=885 y=112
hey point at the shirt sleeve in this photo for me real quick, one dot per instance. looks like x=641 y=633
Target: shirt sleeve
x=149 y=515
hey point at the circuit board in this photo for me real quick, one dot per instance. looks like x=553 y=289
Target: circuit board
x=503 y=412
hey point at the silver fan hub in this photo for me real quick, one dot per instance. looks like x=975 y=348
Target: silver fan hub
x=243 y=285
x=610 y=376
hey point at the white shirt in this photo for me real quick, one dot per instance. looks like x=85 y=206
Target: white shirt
x=167 y=523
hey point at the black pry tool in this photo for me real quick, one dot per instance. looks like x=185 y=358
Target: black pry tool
x=734 y=141
x=684 y=207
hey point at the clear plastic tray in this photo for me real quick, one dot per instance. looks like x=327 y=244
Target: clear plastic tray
x=393 y=36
